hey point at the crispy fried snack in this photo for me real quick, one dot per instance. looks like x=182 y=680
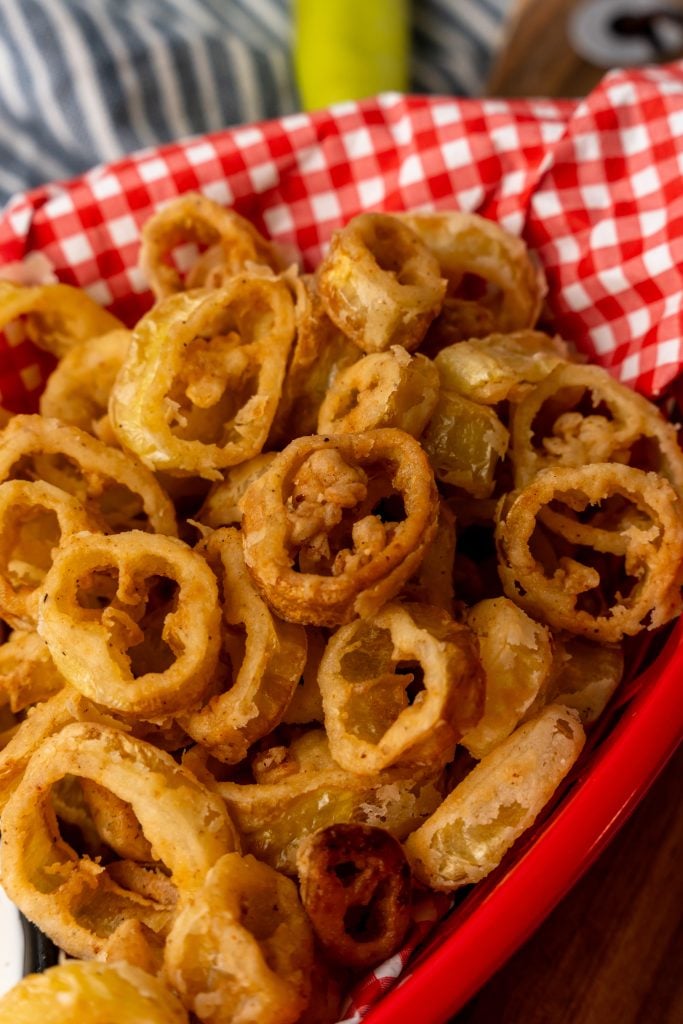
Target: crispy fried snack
x=584 y=675
x=517 y=657
x=468 y=246
x=132 y=621
x=241 y=948
x=465 y=442
x=320 y=352
x=112 y=486
x=355 y=884
x=632 y=578
x=200 y=385
x=380 y=284
x=479 y=821
x=313 y=539
x=579 y=415
x=500 y=366
x=36 y=519
x=433 y=582
x=223 y=504
x=115 y=822
x=400 y=688
x=77 y=391
x=55 y=316
x=307 y=703
x=231 y=244
x=304 y=789
x=27 y=672
x=91 y=993
x=42 y=722
x=74 y=900
x=265 y=658
x=383 y=389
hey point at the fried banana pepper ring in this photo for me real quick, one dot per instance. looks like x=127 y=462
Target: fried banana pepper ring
x=319 y=353
x=433 y=582
x=465 y=442
x=57 y=315
x=380 y=284
x=517 y=657
x=241 y=947
x=36 y=519
x=384 y=389
x=585 y=675
x=42 y=722
x=77 y=391
x=373 y=719
x=105 y=636
x=265 y=655
x=649 y=540
x=319 y=494
x=223 y=504
x=112 y=486
x=115 y=822
x=496 y=802
x=549 y=430
x=355 y=884
x=200 y=385
x=27 y=672
x=501 y=366
x=304 y=789
x=90 y=992
x=232 y=244
x=74 y=900
x=467 y=244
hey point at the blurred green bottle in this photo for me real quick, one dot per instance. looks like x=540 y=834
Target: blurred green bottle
x=348 y=49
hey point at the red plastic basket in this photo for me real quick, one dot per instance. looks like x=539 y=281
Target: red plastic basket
x=594 y=188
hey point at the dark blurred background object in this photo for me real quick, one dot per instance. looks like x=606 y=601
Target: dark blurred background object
x=564 y=47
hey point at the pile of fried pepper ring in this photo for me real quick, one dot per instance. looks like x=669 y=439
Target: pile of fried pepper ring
x=310 y=583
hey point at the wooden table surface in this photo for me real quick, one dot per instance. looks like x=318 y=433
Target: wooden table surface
x=612 y=951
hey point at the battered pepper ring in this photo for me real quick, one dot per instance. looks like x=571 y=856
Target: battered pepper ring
x=292 y=510
x=464 y=243
x=94 y=599
x=57 y=315
x=620 y=421
x=468 y=835
x=27 y=672
x=200 y=385
x=111 y=485
x=77 y=391
x=90 y=992
x=43 y=721
x=302 y=789
x=355 y=884
x=652 y=551
x=74 y=900
x=384 y=389
x=241 y=941
x=319 y=353
x=233 y=244
x=35 y=520
x=266 y=657
x=370 y=720
x=380 y=284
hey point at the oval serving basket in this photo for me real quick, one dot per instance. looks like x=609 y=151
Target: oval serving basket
x=594 y=188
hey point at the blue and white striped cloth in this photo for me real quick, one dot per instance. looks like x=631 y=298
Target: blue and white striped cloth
x=86 y=81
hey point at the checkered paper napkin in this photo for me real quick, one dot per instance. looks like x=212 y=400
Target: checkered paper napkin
x=594 y=187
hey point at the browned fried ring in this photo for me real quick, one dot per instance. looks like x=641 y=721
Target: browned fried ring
x=356 y=887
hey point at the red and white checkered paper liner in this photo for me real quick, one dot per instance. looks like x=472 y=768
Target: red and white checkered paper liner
x=594 y=187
